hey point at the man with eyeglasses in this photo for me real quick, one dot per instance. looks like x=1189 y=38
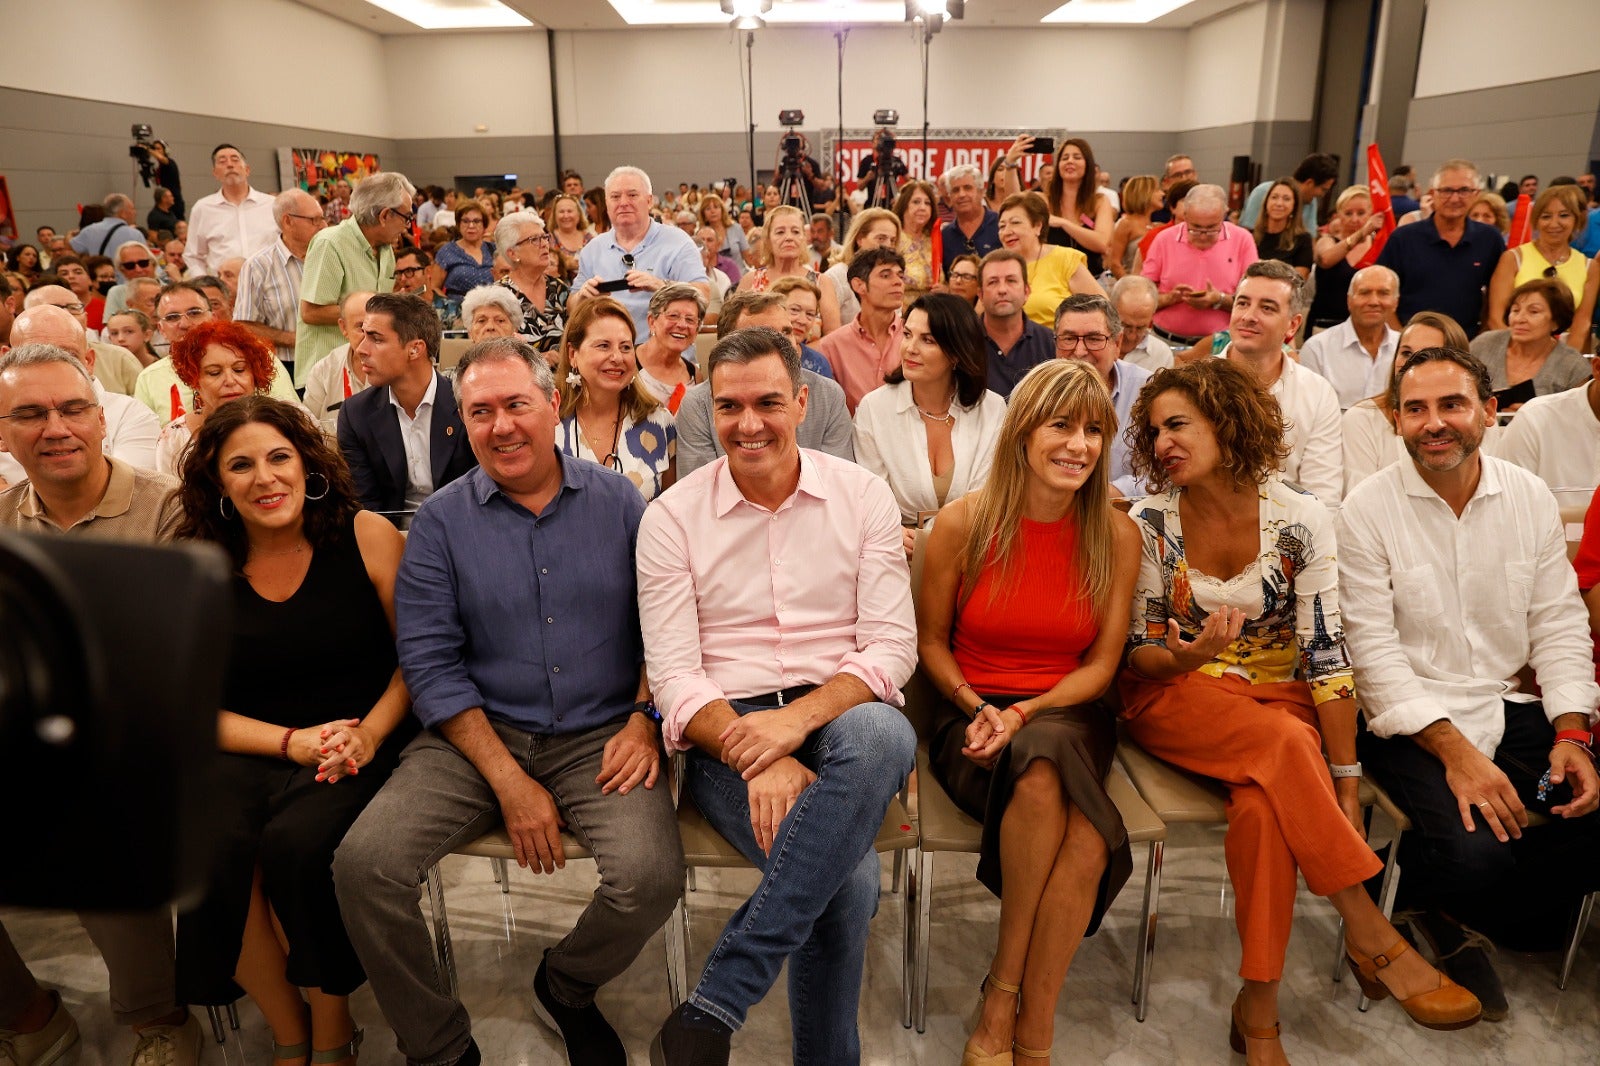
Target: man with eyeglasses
x=358 y=253
x=268 y=303
x=1196 y=266
x=53 y=425
x=1087 y=328
x=1178 y=168
x=1015 y=342
x=135 y=259
x=975 y=229
x=1135 y=296
x=1445 y=261
x=180 y=307
x=118 y=367
x=234 y=221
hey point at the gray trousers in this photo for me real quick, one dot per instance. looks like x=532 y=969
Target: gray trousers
x=137 y=947
x=437 y=801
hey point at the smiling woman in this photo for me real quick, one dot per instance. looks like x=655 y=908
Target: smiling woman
x=221 y=362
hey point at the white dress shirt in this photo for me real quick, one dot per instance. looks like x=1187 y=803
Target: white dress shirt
x=1440 y=612
x=1151 y=353
x=1337 y=355
x=220 y=231
x=891 y=440
x=325 y=388
x=1557 y=436
x=131 y=433
x=414 y=434
x=1316 y=443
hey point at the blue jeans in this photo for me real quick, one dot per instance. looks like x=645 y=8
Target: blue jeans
x=819 y=888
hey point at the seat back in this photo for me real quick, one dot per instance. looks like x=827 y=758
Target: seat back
x=451 y=349
x=921 y=700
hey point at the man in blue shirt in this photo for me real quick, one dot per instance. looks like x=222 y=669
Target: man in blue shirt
x=1016 y=344
x=518 y=632
x=1445 y=261
x=636 y=249
x=110 y=233
x=975 y=230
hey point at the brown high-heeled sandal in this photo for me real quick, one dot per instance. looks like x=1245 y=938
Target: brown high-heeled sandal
x=1445 y=1008
x=1028 y=1053
x=972 y=1056
x=1239 y=1032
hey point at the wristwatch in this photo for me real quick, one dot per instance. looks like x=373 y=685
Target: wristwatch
x=648 y=709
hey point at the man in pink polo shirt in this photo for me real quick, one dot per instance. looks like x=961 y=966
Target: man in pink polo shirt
x=863 y=351
x=1196 y=266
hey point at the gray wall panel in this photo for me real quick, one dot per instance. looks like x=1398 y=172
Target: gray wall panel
x=1542 y=127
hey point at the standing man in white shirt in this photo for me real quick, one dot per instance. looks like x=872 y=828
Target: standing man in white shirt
x=1453 y=577
x=234 y=221
x=1357 y=355
x=268 y=303
x=1267 y=310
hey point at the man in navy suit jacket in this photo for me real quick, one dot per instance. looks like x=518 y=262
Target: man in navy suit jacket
x=403 y=437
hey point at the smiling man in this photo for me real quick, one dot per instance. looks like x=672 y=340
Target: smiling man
x=1357 y=355
x=1087 y=328
x=518 y=632
x=402 y=436
x=782 y=686
x=975 y=229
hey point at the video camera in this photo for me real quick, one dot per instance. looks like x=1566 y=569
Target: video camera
x=793 y=145
x=141 y=151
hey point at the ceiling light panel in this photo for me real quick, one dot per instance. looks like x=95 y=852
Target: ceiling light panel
x=453 y=14
x=783 y=13
x=1113 y=12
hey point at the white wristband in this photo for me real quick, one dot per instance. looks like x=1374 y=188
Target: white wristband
x=1339 y=770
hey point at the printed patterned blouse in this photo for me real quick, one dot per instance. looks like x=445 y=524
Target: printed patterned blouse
x=545 y=327
x=1289 y=593
x=644 y=450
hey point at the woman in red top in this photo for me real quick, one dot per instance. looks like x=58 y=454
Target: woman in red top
x=1025 y=592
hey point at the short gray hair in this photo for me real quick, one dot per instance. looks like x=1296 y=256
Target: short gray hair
x=1085 y=302
x=1457 y=164
x=1135 y=285
x=1394 y=279
x=283 y=204
x=744 y=346
x=115 y=203
x=25 y=355
x=625 y=169
x=513 y=227
x=378 y=192
x=514 y=350
x=965 y=170
x=1204 y=195
x=135 y=283
x=1276 y=270
x=495 y=294
x=672 y=293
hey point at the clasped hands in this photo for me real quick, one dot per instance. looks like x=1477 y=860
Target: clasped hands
x=1481 y=788
x=759 y=746
x=338 y=749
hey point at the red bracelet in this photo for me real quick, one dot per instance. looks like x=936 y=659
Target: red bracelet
x=1579 y=736
x=283 y=748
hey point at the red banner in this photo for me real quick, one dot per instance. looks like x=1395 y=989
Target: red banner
x=1521 y=222
x=1378 y=187
x=945 y=150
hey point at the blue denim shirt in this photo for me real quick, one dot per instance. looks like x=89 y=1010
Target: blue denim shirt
x=534 y=618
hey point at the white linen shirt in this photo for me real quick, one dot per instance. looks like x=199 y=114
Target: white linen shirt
x=1151 y=353
x=1557 y=437
x=1316 y=442
x=415 y=434
x=220 y=231
x=1337 y=355
x=891 y=440
x=1440 y=612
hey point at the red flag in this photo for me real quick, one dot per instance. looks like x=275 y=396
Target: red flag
x=937 y=252
x=177 y=404
x=347 y=383
x=1378 y=188
x=676 y=399
x=1521 y=222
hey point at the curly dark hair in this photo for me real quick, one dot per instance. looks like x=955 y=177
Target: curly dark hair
x=1245 y=418
x=191 y=349
x=201 y=493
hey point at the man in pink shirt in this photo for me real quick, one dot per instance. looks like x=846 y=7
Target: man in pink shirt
x=1196 y=266
x=776 y=603
x=863 y=351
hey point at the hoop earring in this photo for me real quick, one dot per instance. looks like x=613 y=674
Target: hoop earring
x=222 y=507
x=325 y=485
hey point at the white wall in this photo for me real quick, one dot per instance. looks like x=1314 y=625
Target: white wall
x=259 y=60
x=1221 y=68
x=453 y=82
x=1482 y=44
x=1288 y=90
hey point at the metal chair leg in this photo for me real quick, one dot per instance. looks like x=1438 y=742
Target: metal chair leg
x=677 y=941
x=896 y=871
x=1585 y=911
x=1147 y=925
x=216 y=1024
x=501 y=875
x=692 y=886
x=1338 y=952
x=1386 y=892
x=441 y=933
x=924 y=920
x=908 y=936
x=233 y=1015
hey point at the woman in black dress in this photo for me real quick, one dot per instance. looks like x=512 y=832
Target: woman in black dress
x=314 y=716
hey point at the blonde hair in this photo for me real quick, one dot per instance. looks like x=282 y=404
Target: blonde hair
x=1068 y=387
x=773 y=213
x=865 y=221
x=1139 y=194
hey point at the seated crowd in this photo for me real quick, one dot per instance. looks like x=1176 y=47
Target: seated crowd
x=1037 y=415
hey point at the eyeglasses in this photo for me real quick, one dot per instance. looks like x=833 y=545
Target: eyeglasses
x=1205 y=231
x=77 y=412
x=962 y=275
x=407 y=216
x=136 y=264
x=405 y=272
x=537 y=238
x=73 y=308
x=1467 y=190
x=307 y=218
x=1093 y=342
x=194 y=314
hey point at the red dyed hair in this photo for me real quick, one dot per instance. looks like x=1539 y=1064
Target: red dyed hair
x=257 y=353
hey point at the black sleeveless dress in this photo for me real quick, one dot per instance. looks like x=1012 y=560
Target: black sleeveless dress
x=1329 y=306
x=323 y=654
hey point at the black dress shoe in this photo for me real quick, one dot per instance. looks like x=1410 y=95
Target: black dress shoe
x=589 y=1038
x=1463 y=954
x=472 y=1056
x=681 y=1044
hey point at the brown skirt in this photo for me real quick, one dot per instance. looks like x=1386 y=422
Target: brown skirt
x=1079 y=741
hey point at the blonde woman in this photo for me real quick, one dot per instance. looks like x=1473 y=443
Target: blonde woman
x=784 y=236
x=1141 y=197
x=731 y=242
x=1337 y=254
x=876 y=227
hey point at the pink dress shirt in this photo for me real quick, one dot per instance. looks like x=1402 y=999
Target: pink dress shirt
x=1173 y=261
x=738 y=601
x=859 y=364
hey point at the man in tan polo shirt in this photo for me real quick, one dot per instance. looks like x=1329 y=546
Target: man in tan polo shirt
x=52 y=423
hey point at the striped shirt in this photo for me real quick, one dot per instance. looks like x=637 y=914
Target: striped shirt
x=269 y=292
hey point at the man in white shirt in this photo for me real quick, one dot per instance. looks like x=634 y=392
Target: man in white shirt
x=268 y=302
x=1267 y=310
x=1557 y=436
x=1135 y=297
x=234 y=221
x=1357 y=355
x=1453 y=578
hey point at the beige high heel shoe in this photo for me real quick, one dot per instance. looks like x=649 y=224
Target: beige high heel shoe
x=974 y=1056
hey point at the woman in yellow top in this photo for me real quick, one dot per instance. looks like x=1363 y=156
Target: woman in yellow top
x=1054 y=273
x=914 y=207
x=1558 y=215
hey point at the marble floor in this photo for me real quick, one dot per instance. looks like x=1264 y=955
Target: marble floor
x=498 y=939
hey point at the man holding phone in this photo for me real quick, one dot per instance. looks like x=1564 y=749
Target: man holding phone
x=636 y=256
x=1196 y=266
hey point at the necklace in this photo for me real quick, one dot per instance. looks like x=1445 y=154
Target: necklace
x=945 y=419
x=1552 y=260
x=607 y=458
x=296 y=550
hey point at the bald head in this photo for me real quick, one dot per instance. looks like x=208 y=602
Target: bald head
x=48 y=324
x=61 y=298
x=353 y=316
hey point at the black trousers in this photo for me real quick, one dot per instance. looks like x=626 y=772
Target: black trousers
x=1521 y=893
